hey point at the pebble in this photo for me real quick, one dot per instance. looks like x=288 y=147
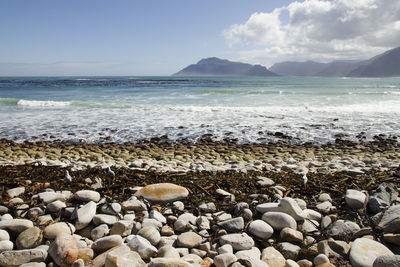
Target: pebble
x=87 y=195
x=290 y=235
x=288 y=250
x=260 y=230
x=6 y=245
x=15 y=192
x=273 y=257
x=142 y=246
x=168 y=262
x=19 y=257
x=168 y=252
x=232 y=225
x=290 y=207
x=55 y=206
x=387 y=261
x=224 y=260
x=122 y=228
x=107 y=242
x=133 y=204
x=189 y=240
x=30 y=238
x=151 y=234
x=104 y=219
x=52 y=230
x=321 y=259
x=16 y=225
x=382 y=198
x=4 y=235
x=85 y=214
x=237 y=241
x=163 y=192
x=342 y=229
x=355 y=199
x=279 y=220
x=364 y=251
x=64 y=249
x=389 y=221
x=123 y=256
x=100 y=231
x=48 y=197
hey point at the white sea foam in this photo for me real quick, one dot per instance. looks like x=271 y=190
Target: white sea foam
x=37 y=103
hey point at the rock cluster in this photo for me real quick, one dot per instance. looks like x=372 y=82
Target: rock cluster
x=154 y=227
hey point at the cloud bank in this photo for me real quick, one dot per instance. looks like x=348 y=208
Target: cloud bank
x=321 y=30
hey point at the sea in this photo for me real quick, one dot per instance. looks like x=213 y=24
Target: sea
x=244 y=109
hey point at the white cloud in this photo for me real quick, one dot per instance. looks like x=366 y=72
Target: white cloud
x=320 y=30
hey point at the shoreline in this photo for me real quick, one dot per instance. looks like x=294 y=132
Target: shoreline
x=157 y=155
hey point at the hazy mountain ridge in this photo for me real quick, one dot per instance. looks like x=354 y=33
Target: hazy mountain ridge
x=386 y=64
x=221 y=67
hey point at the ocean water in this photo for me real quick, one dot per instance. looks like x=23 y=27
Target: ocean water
x=249 y=109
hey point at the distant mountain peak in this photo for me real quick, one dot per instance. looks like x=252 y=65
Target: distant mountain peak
x=214 y=66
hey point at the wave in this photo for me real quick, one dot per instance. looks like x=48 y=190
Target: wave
x=38 y=103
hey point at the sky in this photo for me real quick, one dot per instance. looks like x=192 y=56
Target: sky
x=159 y=37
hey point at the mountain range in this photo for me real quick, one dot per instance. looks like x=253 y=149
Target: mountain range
x=386 y=64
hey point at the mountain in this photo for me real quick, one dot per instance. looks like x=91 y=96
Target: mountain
x=221 y=67
x=312 y=68
x=383 y=65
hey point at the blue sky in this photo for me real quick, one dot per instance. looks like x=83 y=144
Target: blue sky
x=158 y=37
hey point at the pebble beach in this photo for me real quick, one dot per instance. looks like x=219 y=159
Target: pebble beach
x=209 y=203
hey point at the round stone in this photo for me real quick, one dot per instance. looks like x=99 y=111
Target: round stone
x=320 y=259
x=189 y=240
x=387 y=261
x=87 y=195
x=30 y=238
x=4 y=235
x=6 y=245
x=151 y=234
x=164 y=192
x=260 y=229
x=355 y=199
x=107 y=242
x=279 y=220
x=142 y=246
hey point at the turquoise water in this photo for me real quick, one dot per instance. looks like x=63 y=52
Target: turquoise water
x=249 y=109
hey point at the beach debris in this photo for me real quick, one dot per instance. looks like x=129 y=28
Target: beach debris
x=110 y=172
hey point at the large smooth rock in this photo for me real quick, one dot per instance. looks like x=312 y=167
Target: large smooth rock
x=52 y=230
x=364 y=251
x=232 y=225
x=279 y=220
x=168 y=252
x=142 y=246
x=390 y=222
x=64 y=249
x=16 y=225
x=85 y=214
x=164 y=192
x=55 y=206
x=384 y=195
x=268 y=207
x=87 y=195
x=168 y=262
x=387 y=261
x=260 y=230
x=107 y=242
x=355 y=199
x=273 y=257
x=290 y=235
x=189 y=240
x=18 y=257
x=123 y=256
x=237 y=241
x=100 y=231
x=30 y=238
